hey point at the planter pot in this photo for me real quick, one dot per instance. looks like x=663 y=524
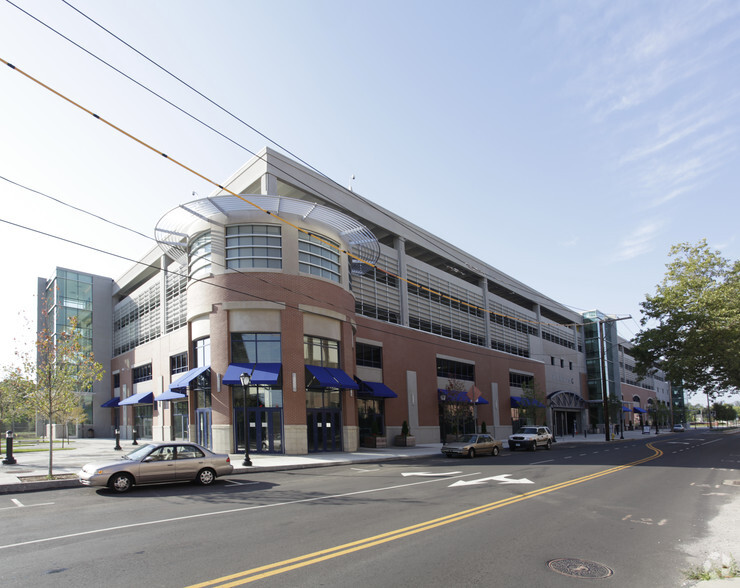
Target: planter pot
x=405 y=441
x=377 y=442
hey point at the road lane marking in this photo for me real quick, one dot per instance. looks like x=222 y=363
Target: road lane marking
x=295 y=563
x=18 y=504
x=539 y=462
x=225 y=512
x=362 y=470
x=503 y=479
x=404 y=474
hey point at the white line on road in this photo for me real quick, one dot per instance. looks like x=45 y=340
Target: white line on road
x=404 y=474
x=539 y=462
x=18 y=504
x=225 y=512
x=361 y=470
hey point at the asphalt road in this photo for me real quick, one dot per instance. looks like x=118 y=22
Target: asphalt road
x=494 y=521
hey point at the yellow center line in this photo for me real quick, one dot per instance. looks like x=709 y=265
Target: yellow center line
x=295 y=563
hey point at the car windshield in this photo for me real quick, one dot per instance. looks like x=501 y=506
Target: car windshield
x=530 y=430
x=468 y=438
x=140 y=453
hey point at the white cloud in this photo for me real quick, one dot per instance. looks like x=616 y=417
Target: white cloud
x=638 y=242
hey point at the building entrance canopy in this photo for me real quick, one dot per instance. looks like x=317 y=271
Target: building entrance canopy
x=262 y=374
x=140 y=398
x=321 y=377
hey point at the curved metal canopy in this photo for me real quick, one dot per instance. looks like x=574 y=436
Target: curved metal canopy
x=174 y=228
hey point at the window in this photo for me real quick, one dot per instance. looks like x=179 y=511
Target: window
x=318 y=258
x=562 y=363
x=142 y=373
x=455 y=370
x=255 y=348
x=202 y=349
x=521 y=380
x=254 y=246
x=570 y=365
x=117 y=380
x=369 y=355
x=320 y=351
x=199 y=256
x=179 y=363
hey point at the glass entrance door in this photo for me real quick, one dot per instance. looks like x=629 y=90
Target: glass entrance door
x=203 y=427
x=265 y=427
x=324 y=429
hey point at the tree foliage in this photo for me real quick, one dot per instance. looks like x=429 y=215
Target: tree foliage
x=55 y=378
x=691 y=325
x=14 y=389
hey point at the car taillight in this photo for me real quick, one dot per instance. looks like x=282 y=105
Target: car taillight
x=228 y=459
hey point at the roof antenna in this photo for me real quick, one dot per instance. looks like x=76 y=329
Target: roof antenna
x=350 y=182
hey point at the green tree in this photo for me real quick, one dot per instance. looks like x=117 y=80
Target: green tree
x=534 y=410
x=13 y=403
x=724 y=412
x=55 y=378
x=691 y=325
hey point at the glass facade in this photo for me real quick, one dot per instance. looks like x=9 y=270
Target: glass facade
x=199 y=256
x=255 y=348
x=317 y=258
x=69 y=296
x=254 y=246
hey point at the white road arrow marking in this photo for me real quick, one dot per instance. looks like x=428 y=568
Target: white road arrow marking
x=16 y=502
x=503 y=479
x=405 y=474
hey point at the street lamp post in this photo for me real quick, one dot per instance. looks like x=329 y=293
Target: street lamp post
x=245 y=380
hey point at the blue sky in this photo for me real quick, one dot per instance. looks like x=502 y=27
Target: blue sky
x=569 y=144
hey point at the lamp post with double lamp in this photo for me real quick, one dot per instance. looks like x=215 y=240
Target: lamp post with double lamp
x=245 y=380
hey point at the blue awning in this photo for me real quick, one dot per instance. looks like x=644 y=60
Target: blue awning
x=140 y=398
x=184 y=380
x=170 y=395
x=263 y=374
x=459 y=396
x=521 y=402
x=639 y=410
x=345 y=381
x=328 y=378
x=376 y=389
x=112 y=403
x=626 y=409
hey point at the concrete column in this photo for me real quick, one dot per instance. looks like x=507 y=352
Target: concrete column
x=487 y=313
x=412 y=399
x=399 y=244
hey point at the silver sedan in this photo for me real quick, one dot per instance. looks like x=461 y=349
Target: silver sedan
x=158 y=462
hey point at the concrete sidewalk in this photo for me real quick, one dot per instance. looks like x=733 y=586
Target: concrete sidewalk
x=24 y=475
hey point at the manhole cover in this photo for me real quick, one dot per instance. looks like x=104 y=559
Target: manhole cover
x=579 y=568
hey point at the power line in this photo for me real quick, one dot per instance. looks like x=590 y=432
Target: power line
x=413 y=229
x=272 y=214
x=403 y=334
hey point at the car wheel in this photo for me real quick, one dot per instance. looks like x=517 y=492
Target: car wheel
x=471 y=453
x=534 y=445
x=121 y=482
x=549 y=444
x=206 y=476
x=494 y=451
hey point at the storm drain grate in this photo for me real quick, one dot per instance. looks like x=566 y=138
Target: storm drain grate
x=579 y=568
